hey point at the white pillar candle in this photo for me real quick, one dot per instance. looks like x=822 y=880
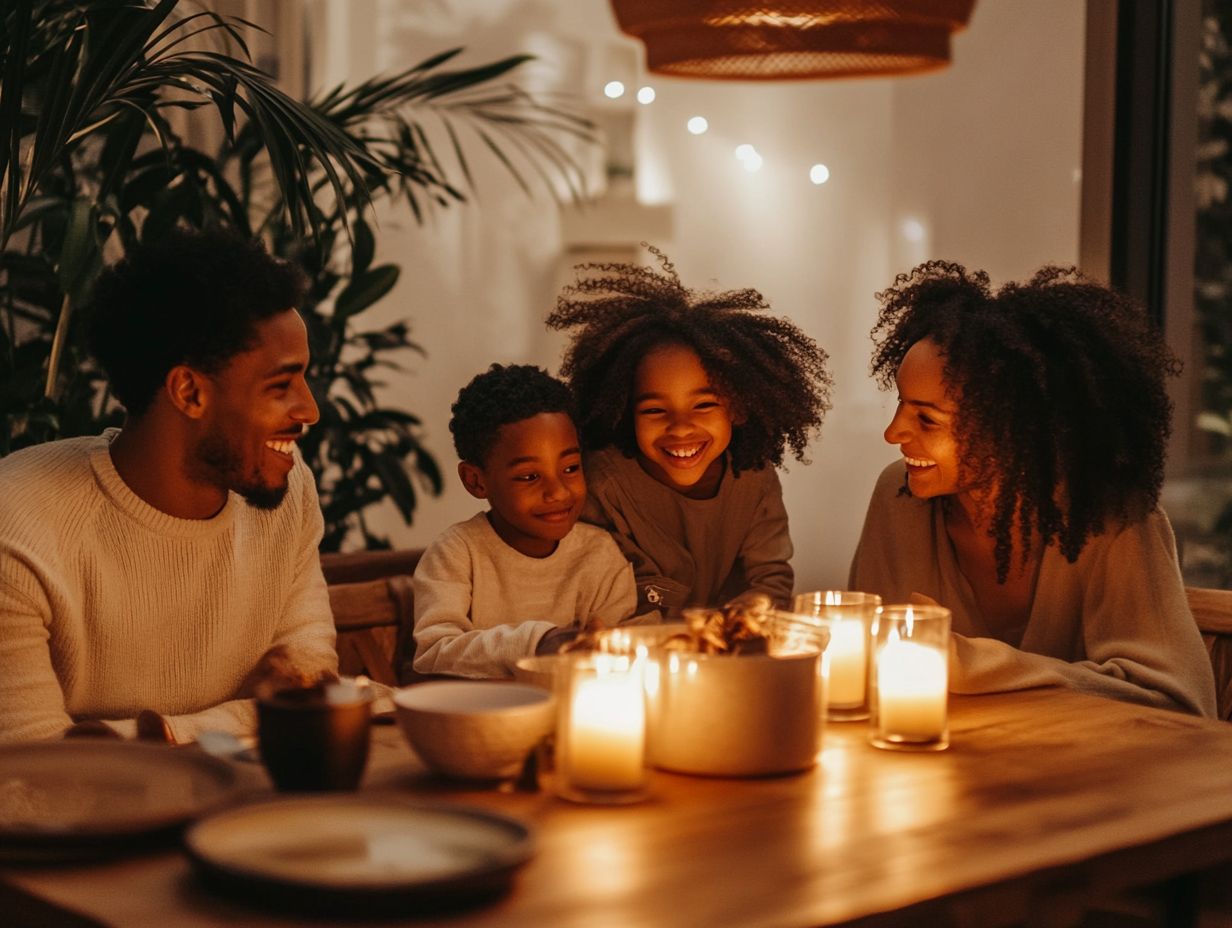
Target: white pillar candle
x=846 y=655
x=607 y=733
x=911 y=691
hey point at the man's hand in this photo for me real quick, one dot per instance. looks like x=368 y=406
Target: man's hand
x=153 y=727
x=555 y=639
x=91 y=728
x=276 y=671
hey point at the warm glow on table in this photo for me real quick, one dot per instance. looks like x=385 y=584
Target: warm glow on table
x=911 y=690
x=607 y=734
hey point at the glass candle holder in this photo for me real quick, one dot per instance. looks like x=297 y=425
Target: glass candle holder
x=848 y=616
x=910 y=677
x=600 y=752
x=645 y=645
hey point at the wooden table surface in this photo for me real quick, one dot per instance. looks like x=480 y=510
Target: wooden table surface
x=1046 y=800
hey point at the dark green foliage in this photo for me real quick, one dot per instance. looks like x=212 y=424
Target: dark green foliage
x=90 y=163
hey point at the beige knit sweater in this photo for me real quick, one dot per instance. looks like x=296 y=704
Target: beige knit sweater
x=109 y=606
x=1114 y=623
x=480 y=605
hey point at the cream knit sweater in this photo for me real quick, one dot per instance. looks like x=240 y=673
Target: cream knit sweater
x=109 y=606
x=480 y=605
x=1114 y=623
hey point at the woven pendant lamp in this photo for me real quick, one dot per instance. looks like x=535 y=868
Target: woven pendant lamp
x=771 y=40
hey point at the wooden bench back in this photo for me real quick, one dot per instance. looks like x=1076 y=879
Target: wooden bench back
x=373 y=602
x=1212 y=609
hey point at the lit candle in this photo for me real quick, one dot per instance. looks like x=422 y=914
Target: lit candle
x=911 y=690
x=847 y=658
x=607 y=735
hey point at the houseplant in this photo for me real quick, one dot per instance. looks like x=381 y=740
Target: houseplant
x=91 y=162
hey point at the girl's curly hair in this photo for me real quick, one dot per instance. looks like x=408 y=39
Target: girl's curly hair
x=1060 y=384
x=774 y=375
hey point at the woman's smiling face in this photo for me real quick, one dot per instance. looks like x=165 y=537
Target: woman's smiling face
x=924 y=422
x=682 y=423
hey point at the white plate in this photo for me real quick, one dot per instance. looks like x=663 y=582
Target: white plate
x=85 y=791
x=356 y=849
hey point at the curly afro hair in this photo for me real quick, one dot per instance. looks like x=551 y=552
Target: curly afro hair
x=188 y=297
x=1060 y=383
x=774 y=374
x=501 y=395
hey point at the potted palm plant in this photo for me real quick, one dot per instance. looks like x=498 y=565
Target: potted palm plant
x=91 y=162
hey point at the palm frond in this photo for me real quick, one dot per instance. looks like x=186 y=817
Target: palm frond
x=119 y=55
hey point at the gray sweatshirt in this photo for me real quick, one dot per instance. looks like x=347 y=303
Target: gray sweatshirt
x=688 y=552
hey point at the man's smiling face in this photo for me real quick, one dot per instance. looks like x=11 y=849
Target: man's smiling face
x=259 y=406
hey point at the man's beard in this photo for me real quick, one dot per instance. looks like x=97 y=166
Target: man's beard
x=218 y=463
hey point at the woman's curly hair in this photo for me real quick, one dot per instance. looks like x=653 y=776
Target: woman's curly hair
x=774 y=375
x=1062 y=414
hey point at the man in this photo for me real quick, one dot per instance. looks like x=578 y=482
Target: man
x=154 y=576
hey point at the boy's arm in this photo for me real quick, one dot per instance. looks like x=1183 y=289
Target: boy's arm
x=766 y=550
x=446 y=641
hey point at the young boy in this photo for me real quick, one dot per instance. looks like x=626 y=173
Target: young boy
x=521 y=578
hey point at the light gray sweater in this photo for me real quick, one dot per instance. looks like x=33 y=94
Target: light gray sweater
x=1114 y=623
x=109 y=606
x=692 y=552
x=480 y=604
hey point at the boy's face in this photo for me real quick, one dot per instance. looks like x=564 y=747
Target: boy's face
x=532 y=481
x=681 y=422
x=258 y=406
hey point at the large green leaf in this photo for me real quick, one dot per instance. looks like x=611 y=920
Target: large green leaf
x=365 y=289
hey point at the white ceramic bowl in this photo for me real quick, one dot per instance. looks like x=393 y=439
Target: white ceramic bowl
x=540 y=670
x=475 y=730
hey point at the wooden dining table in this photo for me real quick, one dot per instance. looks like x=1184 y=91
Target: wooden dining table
x=1048 y=803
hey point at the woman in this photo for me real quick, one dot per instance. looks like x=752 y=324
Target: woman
x=1032 y=423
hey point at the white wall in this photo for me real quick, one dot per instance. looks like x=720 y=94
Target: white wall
x=981 y=157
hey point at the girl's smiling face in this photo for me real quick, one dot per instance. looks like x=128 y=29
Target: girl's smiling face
x=923 y=424
x=681 y=422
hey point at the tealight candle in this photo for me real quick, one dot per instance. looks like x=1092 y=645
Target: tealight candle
x=910 y=677
x=601 y=746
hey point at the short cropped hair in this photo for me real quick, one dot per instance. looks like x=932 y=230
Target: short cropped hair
x=188 y=297
x=502 y=395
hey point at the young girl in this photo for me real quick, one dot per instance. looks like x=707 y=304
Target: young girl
x=688 y=401
x=1032 y=424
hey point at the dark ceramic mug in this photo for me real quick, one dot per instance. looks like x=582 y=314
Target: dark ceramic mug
x=315 y=738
